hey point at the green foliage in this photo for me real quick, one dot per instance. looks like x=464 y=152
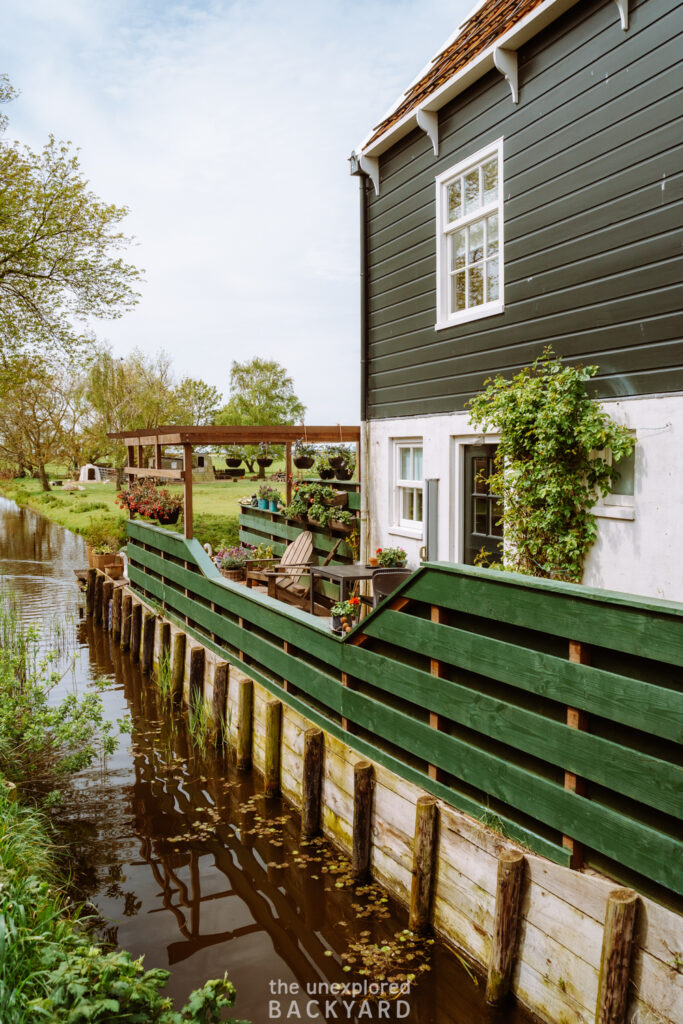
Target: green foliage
x=108 y=532
x=50 y=969
x=261 y=391
x=558 y=452
x=200 y=726
x=59 y=246
x=42 y=741
x=197 y=403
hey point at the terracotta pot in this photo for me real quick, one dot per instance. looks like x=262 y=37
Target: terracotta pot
x=91 y=556
x=102 y=561
x=114 y=572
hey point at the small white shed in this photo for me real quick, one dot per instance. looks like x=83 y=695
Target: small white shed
x=90 y=474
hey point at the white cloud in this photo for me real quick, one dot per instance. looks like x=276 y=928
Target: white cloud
x=225 y=127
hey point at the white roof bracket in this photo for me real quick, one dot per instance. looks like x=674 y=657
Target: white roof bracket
x=623 y=12
x=506 y=63
x=370 y=166
x=428 y=121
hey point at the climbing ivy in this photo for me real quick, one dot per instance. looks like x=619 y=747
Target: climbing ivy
x=558 y=453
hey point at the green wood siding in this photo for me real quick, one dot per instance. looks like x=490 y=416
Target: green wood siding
x=593 y=212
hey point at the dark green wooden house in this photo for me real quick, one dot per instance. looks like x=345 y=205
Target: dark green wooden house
x=526 y=190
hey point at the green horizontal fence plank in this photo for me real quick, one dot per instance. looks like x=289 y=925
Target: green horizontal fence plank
x=641 y=627
x=632 y=702
x=511 y=828
x=648 y=779
x=285 y=531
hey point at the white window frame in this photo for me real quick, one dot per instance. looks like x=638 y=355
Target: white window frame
x=444 y=318
x=401 y=526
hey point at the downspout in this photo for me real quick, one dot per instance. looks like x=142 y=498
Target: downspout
x=364 y=425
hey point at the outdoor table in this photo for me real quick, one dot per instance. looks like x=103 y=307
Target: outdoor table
x=343 y=575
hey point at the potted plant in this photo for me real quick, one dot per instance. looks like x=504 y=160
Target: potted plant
x=274 y=499
x=264 y=457
x=298 y=507
x=304 y=454
x=233 y=456
x=105 y=554
x=344 y=615
x=347 y=467
x=390 y=558
x=343 y=520
x=322 y=465
x=335 y=456
x=231 y=561
x=264 y=493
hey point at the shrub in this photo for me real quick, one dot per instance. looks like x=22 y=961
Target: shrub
x=557 y=453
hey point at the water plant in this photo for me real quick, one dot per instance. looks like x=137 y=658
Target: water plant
x=199 y=722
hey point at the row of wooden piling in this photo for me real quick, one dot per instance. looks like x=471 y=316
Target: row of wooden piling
x=113 y=607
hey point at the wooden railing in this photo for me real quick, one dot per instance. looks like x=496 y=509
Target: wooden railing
x=467 y=682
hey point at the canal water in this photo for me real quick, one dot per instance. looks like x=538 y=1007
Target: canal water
x=188 y=864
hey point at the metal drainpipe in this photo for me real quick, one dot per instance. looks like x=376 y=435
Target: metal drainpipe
x=365 y=429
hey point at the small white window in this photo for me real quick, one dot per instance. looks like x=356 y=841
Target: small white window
x=469 y=225
x=408 y=484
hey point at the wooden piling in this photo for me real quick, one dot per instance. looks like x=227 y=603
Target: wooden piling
x=107 y=594
x=245 y=705
x=271 y=769
x=615 y=959
x=178 y=667
x=126 y=620
x=505 y=925
x=220 y=702
x=197 y=665
x=424 y=851
x=116 y=604
x=312 y=782
x=165 y=640
x=148 y=629
x=362 y=818
x=90 y=592
x=135 y=631
x=97 y=610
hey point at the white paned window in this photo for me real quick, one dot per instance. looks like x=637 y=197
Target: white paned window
x=469 y=218
x=408 y=484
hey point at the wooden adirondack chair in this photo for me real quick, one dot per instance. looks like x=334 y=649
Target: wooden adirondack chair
x=284 y=578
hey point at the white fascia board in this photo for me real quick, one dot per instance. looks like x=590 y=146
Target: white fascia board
x=515 y=37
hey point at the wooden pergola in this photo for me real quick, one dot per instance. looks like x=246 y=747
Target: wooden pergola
x=190 y=437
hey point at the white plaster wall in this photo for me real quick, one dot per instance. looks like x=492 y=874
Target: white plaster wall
x=638 y=555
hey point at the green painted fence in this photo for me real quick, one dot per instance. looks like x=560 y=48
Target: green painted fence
x=480 y=720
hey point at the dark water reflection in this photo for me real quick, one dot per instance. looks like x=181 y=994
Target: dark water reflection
x=161 y=843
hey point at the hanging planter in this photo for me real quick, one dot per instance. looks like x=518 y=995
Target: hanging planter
x=303 y=461
x=344 y=473
x=233 y=463
x=169 y=519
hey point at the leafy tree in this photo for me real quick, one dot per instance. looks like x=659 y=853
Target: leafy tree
x=261 y=392
x=558 y=452
x=128 y=394
x=59 y=246
x=197 y=403
x=34 y=408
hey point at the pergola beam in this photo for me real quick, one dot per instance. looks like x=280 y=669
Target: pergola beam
x=174 y=435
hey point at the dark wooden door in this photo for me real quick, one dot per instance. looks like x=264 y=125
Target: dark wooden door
x=482 y=508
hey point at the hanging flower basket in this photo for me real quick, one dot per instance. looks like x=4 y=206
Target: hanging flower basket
x=303 y=461
x=233 y=463
x=169 y=518
x=264 y=461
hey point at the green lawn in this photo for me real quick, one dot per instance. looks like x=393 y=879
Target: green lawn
x=216 y=505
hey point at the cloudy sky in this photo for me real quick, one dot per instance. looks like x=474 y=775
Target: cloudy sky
x=225 y=127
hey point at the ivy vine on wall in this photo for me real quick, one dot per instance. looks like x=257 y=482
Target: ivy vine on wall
x=558 y=453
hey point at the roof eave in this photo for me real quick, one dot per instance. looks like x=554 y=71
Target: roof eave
x=515 y=37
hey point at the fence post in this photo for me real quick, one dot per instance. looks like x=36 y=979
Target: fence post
x=178 y=667
x=107 y=593
x=116 y=603
x=135 y=631
x=312 y=782
x=271 y=769
x=148 y=641
x=245 y=704
x=90 y=592
x=576 y=719
x=126 y=620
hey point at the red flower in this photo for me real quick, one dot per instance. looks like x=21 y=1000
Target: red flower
x=354 y=600
x=378 y=551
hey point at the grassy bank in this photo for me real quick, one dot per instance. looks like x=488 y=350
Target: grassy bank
x=216 y=506
x=51 y=968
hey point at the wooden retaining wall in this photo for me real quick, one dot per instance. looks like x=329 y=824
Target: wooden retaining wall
x=562 y=914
